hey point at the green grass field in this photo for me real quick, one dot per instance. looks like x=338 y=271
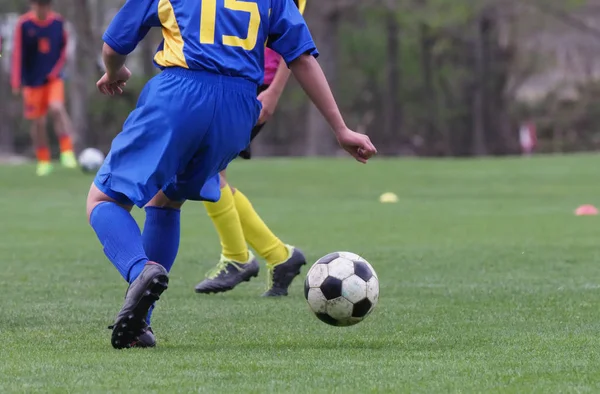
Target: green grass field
x=489 y=283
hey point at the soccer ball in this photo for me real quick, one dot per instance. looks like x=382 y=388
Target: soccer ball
x=341 y=289
x=90 y=160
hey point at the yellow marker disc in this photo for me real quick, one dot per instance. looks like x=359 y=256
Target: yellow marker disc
x=388 y=197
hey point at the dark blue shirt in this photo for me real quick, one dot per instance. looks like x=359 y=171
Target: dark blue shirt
x=39 y=50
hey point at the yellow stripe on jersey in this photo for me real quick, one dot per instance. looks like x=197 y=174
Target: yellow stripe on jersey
x=172 y=53
x=301 y=6
x=208 y=21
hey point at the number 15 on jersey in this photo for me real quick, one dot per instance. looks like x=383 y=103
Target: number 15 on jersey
x=209 y=18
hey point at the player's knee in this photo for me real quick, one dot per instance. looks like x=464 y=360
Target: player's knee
x=222 y=179
x=223 y=182
x=174 y=204
x=92 y=201
x=39 y=122
x=96 y=197
x=168 y=204
x=56 y=108
x=162 y=201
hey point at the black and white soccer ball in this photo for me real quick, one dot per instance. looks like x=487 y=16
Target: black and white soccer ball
x=90 y=160
x=341 y=288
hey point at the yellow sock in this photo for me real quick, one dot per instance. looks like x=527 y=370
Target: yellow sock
x=224 y=216
x=257 y=234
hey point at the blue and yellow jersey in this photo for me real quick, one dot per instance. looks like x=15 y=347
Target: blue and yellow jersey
x=226 y=37
x=301 y=4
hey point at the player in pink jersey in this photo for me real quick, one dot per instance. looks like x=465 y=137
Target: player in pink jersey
x=237 y=222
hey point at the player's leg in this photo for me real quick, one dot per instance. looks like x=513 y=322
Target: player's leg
x=160 y=238
x=63 y=126
x=39 y=137
x=237 y=264
x=35 y=111
x=283 y=261
x=122 y=242
x=227 y=223
x=160 y=137
x=161 y=235
x=236 y=110
x=180 y=135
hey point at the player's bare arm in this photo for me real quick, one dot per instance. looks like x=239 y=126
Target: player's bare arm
x=309 y=74
x=116 y=75
x=289 y=36
x=270 y=97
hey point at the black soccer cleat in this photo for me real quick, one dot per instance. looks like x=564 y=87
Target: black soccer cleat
x=130 y=325
x=282 y=275
x=227 y=275
x=146 y=339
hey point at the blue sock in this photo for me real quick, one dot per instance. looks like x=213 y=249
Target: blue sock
x=161 y=238
x=161 y=235
x=120 y=236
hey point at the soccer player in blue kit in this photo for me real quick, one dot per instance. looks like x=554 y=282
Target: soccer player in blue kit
x=191 y=120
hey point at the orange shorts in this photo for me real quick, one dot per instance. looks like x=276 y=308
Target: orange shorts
x=37 y=99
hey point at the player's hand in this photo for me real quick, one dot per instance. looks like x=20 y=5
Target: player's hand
x=269 y=102
x=113 y=84
x=358 y=145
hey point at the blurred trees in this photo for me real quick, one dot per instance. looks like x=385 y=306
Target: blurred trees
x=421 y=77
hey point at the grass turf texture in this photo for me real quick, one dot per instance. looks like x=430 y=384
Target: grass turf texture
x=489 y=283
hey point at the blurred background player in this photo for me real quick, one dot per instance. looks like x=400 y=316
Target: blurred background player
x=39 y=56
x=239 y=225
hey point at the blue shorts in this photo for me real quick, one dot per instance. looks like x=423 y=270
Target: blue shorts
x=187 y=126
